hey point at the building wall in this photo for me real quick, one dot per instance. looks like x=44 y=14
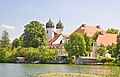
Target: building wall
x=50 y=33
x=61 y=52
x=59 y=31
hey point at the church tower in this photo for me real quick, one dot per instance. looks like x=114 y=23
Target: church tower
x=49 y=30
x=59 y=27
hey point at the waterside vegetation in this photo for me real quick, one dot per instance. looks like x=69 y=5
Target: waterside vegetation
x=32 y=45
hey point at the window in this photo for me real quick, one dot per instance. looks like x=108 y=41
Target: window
x=61 y=42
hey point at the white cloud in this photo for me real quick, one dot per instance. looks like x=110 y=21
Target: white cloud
x=7 y=27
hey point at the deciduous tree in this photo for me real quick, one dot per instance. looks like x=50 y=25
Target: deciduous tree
x=89 y=43
x=34 y=35
x=112 y=50
x=101 y=50
x=95 y=36
x=113 y=31
x=76 y=45
x=16 y=42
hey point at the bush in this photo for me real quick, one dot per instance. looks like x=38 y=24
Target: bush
x=73 y=60
x=105 y=59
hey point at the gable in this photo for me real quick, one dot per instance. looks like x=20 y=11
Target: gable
x=59 y=39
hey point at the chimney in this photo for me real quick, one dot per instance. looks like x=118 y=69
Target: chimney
x=83 y=25
x=102 y=33
x=98 y=26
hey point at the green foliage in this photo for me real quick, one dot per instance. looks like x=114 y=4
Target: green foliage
x=118 y=60
x=118 y=46
x=32 y=54
x=113 y=31
x=105 y=59
x=5 y=52
x=16 y=42
x=118 y=38
x=34 y=35
x=95 y=36
x=7 y=55
x=101 y=50
x=29 y=53
x=76 y=45
x=5 y=41
x=50 y=54
x=31 y=45
x=89 y=43
x=112 y=50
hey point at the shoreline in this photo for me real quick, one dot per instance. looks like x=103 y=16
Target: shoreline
x=64 y=64
x=68 y=75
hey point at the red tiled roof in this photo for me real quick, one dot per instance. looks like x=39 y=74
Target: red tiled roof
x=90 y=30
x=55 y=34
x=106 y=39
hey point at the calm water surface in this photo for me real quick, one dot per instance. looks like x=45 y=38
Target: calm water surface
x=25 y=70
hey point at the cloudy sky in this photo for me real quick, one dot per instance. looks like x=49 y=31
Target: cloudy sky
x=15 y=14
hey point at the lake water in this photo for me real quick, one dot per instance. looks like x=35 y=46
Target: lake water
x=25 y=70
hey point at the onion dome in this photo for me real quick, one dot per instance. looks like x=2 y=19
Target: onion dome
x=59 y=25
x=49 y=24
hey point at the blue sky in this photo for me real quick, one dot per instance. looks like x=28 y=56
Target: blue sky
x=15 y=14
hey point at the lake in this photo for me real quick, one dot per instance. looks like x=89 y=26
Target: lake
x=25 y=70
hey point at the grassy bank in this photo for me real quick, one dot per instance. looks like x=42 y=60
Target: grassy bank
x=69 y=75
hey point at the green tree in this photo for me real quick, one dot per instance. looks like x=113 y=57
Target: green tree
x=117 y=49
x=16 y=42
x=89 y=43
x=5 y=41
x=29 y=53
x=7 y=55
x=101 y=50
x=112 y=49
x=50 y=54
x=113 y=31
x=34 y=35
x=118 y=46
x=76 y=45
x=3 y=54
x=118 y=38
x=32 y=54
x=95 y=36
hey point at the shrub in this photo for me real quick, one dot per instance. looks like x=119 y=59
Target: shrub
x=105 y=59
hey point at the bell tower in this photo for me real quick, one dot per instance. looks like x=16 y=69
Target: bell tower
x=59 y=27
x=49 y=30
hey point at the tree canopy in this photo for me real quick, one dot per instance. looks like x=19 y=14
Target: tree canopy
x=16 y=42
x=89 y=43
x=118 y=46
x=95 y=36
x=5 y=41
x=112 y=50
x=113 y=31
x=76 y=45
x=34 y=35
x=101 y=50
